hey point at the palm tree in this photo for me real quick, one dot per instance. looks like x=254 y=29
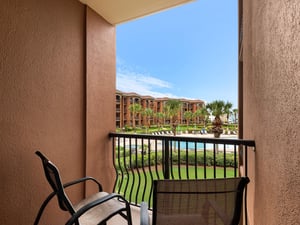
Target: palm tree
x=148 y=113
x=172 y=108
x=188 y=116
x=160 y=118
x=235 y=113
x=227 y=110
x=135 y=109
x=203 y=114
x=196 y=116
x=218 y=108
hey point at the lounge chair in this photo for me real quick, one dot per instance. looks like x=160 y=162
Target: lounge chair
x=96 y=209
x=196 y=202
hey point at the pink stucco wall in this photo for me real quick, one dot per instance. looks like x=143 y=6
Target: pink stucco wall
x=101 y=100
x=46 y=69
x=271 y=99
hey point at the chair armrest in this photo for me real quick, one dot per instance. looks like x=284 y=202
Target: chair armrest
x=83 y=179
x=66 y=185
x=95 y=203
x=144 y=214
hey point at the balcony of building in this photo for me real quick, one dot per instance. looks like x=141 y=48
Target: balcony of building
x=57 y=91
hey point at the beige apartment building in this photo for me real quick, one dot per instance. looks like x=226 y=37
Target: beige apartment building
x=125 y=99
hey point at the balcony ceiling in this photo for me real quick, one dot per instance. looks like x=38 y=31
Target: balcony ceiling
x=120 y=11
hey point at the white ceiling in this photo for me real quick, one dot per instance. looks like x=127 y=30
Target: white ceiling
x=120 y=11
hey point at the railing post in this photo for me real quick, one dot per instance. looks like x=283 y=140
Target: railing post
x=166 y=160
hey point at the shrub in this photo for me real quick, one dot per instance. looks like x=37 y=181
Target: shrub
x=139 y=160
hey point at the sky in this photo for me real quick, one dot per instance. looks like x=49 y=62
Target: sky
x=188 y=51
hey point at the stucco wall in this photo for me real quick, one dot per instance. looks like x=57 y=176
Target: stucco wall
x=271 y=57
x=44 y=103
x=101 y=99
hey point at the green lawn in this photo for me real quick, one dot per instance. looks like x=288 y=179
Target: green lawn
x=135 y=192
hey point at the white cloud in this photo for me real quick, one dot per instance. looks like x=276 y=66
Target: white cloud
x=131 y=79
x=141 y=83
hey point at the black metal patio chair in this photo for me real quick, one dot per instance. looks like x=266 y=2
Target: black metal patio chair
x=96 y=209
x=197 y=202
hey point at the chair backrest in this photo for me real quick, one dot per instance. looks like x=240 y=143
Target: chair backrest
x=197 y=202
x=53 y=177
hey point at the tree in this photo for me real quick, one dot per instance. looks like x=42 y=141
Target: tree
x=196 y=116
x=135 y=109
x=218 y=108
x=172 y=108
x=188 y=115
x=235 y=114
x=160 y=117
x=148 y=113
x=203 y=114
x=227 y=110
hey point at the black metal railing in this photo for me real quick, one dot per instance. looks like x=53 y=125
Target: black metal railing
x=140 y=159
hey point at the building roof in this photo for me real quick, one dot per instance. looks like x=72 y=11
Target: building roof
x=133 y=94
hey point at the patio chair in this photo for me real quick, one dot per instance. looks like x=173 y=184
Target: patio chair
x=96 y=209
x=196 y=202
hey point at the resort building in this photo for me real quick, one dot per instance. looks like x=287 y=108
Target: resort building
x=124 y=115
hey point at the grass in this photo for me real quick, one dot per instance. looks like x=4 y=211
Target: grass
x=181 y=127
x=135 y=192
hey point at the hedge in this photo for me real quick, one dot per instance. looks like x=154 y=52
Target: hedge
x=139 y=160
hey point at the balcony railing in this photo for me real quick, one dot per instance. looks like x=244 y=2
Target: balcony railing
x=140 y=159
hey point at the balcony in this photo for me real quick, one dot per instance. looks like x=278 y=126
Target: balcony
x=140 y=159
x=57 y=94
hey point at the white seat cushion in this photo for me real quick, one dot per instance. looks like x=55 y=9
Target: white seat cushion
x=96 y=214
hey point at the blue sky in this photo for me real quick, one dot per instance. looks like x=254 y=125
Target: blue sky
x=188 y=51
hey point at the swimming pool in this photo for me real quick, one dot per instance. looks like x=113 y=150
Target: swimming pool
x=200 y=146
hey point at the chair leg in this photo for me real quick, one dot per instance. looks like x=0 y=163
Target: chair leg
x=127 y=215
x=129 y=219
